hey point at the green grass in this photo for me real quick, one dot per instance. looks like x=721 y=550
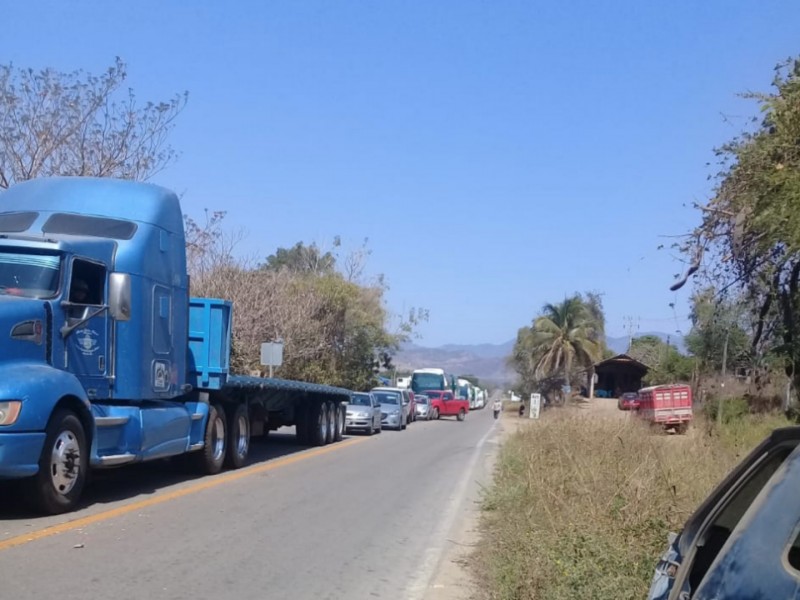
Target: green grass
x=581 y=508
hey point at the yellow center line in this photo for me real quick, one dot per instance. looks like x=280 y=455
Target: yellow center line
x=206 y=484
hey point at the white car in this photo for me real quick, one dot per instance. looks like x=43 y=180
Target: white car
x=363 y=414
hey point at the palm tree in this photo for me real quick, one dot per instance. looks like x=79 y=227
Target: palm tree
x=565 y=334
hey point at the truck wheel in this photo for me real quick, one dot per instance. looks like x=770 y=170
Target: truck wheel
x=63 y=465
x=682 y=428
x=210 y=459
x=330 y=435
x=318 y=424
x=340 y=418
x=461 y=415
x=238 y=437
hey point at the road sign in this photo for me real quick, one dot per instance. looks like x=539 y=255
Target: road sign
x=536 y=405
x=272 y=355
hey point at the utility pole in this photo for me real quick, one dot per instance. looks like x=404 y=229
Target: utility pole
x=725 y=353
x=631 y=330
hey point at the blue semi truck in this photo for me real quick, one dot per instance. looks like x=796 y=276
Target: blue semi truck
x=107 y=360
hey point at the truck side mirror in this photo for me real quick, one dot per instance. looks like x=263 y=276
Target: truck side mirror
x=119 y=296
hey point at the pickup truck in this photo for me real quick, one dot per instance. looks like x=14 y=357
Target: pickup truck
x=667 y=406
x=445 y=404
x=107 y=361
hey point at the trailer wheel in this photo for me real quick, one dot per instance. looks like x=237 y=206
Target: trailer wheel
x=318 y=424
x=63 y=465
x=210 y=459
x=461 y=415
x=333 y=422
x=238 y=437
x=340 y=418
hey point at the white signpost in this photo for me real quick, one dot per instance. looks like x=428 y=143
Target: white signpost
x=272 y=355
x=536 y=405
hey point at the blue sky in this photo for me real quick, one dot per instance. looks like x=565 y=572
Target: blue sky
x=498 y=155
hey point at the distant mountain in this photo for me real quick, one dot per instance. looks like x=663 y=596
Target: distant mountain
x=485 y=361
x=488 y=361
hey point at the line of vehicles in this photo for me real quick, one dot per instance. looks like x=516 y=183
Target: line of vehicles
x=429 y=394
x=107 y=361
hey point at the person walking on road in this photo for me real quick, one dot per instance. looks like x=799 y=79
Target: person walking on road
x=497 y=407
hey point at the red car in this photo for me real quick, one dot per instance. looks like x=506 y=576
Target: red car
x=628 y=401
x=445 y=404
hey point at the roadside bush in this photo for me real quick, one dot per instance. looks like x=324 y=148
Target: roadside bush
x=733 y=409
x=581 y=507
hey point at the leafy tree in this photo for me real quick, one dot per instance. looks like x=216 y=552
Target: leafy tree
x=717 y=338
x=666 y=364
x=748 y=239
x=54 y=123
x=302 y=259
x=563 y=336
x=334 y=330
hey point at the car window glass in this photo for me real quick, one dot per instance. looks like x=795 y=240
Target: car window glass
x=794 y=554
x=717 y=533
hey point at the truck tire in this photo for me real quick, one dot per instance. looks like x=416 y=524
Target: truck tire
x=340 y=418
x=63 y=465
x=461 y=414
x=682 y=428
x=238 y=437
x=318 y=424
x=210 y=459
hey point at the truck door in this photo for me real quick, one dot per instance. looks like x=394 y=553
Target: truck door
x=448 y=401
x=87 y=345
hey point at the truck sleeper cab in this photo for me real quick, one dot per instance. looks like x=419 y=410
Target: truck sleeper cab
x=108 y=361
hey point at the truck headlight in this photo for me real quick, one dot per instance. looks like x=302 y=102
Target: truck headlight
x=9 y=412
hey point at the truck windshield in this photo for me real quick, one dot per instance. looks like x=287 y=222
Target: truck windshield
x=30 y=275
x=427 y=381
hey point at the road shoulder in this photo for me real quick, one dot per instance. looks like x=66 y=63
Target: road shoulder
x=453 y=577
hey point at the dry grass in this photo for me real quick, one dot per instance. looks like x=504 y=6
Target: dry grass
x=581 y=507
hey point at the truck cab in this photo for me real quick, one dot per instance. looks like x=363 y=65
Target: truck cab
x=94 y=297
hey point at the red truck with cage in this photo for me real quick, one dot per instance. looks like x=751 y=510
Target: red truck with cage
x=667 y=406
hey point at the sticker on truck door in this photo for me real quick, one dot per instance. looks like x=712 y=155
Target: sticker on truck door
x=161 y=375
x=87 y=341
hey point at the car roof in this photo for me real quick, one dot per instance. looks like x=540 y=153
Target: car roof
x=387 y=389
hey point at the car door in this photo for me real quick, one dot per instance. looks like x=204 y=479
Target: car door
x=743 y=540
x=376 y=412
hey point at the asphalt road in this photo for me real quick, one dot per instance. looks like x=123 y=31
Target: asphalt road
x=364 y=518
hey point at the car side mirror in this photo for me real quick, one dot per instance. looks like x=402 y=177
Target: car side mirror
x=119 y=296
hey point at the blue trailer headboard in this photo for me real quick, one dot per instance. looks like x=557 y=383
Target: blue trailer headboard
x=210 y=324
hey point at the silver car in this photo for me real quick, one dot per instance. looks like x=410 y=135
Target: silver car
x=423 y=406
x=394 y=413
x=363 y=414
